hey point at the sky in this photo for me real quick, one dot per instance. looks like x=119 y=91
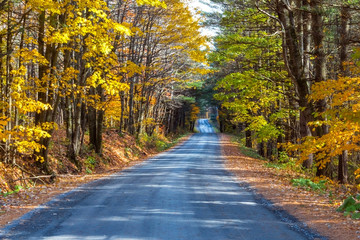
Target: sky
x=205 y=6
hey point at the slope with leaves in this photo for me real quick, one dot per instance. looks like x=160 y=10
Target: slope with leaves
x=317 y=209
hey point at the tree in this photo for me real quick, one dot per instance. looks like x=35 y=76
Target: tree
x=78 y=65
x=254 y=82
x=314 y=39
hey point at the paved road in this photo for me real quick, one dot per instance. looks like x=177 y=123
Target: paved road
x=184 y=193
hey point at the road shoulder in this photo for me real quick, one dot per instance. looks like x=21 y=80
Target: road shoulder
x=308 y=207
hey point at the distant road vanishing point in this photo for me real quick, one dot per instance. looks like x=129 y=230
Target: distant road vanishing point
x=184 y=193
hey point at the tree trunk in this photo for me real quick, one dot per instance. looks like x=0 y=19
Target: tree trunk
x=96 y=117
x=343 y=168
x=248 y=139
x=130 y=124
x=320 y=71
x=344 y=71
x=295 y=65
x=261 y=149
x=122 y=109
x=305 y=113
x=47 y=94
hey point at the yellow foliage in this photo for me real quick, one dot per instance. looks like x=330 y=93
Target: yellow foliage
x=342 y=117
x=122 y=28
x=85 y=27
x=26 y=56
x=357 y=173
x=149 y=122
x=195 y=110
x=26 y=139
x=3 y=121
x=42 y=5
x=112 y=111
x=3 y=133
x=154 y=3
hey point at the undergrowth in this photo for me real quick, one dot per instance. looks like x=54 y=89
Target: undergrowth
x=16 y=190
x=351 y=207
x=249 y=152
x=284 y=162
x=90 y=164
x=309 y=185
x=158 y=141
x=307 y=181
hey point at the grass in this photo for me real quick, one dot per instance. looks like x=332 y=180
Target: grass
x=90 y=164
x=309 y=185
x=16 y=190
x=159 y=142
x=164 y=145
x=351 y=207
x=249 y=152
x=290 y=165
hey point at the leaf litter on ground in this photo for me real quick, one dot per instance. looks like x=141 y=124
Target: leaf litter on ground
x=314 y=208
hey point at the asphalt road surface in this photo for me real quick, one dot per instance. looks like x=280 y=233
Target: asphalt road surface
x=184 y=193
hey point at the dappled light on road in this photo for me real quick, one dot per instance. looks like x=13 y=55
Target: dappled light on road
x=204 y=126
x=184 y=193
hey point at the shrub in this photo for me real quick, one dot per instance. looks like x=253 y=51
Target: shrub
x=351 y=207
x=309 y=185
x=90 y=163
x=16 y=190
x=285 y=162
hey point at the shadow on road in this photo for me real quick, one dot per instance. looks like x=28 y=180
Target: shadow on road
x=184 y=193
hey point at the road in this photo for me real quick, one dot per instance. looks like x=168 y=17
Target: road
x=184 y=193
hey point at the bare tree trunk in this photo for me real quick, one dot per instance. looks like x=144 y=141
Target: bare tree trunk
x=304 y=128
x=131 y=107
x=343 y=168
x=122 y=109
x=344 y=41
x=8 y=149
x=46 y=95
x=77 y=107
x=320 y=70
x=96 y=118
x=295 y=65
x=248 y=141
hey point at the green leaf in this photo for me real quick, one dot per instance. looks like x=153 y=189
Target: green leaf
x=355 y=215
x=357 y=206
x=348 y=202
x=350 y=208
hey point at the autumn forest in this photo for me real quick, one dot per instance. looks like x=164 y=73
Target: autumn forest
x=83 y=66
x=287 y=77
x=283 y=76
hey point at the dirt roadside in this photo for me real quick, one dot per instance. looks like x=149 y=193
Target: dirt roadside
x=314 y=210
